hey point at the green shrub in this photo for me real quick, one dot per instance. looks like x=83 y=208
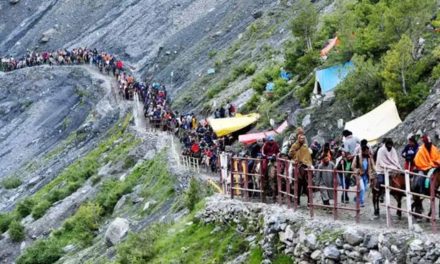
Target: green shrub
x=40 y=209
x=129 y=162
x=16 y=231
x=110 y=193
x=82 y=226
x=192 y=195
x=24 y=208
x=139 y=248
x=5 y=220
x=212 y=53
x=42 y=252
x=11 y=183
x=95 y=179
x=250 y=69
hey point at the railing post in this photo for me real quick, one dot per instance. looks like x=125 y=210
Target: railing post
x=262 y=181
x=432 y=194
x=288 y=183
x=387 y=197
x=295 y=188
x=246 y=178
x=232 y=178
x=408 y=199
x=279 y=181
x=335 y=195
x=310 y=192
x=358 y=202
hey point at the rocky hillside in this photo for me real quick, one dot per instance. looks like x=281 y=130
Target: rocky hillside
x=81 y=181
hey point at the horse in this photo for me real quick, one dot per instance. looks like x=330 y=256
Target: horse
x=417 y=206
x=397 y=181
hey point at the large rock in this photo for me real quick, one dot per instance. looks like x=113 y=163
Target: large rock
x=332 y=252
x=374 y=257
x=416 y=245
x=117 y=231
x=47 y=35
x=353 y=237
x=13 y=2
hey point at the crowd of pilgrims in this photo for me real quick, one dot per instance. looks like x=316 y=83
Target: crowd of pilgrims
x=199 y=140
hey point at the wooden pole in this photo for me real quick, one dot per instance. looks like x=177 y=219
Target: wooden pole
x=408 y=199
x=387 y=197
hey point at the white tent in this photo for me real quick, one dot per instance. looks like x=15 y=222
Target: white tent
x=375 y=123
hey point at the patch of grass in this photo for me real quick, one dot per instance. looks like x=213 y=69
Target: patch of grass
x=42 y=252
x=76 y=174
x=256 y=256
x=329 y=235
x=197 y=244
x=16 y=231
x=282 y=259
x=24 y=208
x=80 y=229
x=139 y=248
x=192 y=195
x=212 y=53
x=5 y=220
x=129 y=162
x=40 y=209
x=11 y=183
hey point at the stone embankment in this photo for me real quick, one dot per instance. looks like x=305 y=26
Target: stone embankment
x=283 y=231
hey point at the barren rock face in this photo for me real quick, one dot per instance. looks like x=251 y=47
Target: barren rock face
x=154 y=37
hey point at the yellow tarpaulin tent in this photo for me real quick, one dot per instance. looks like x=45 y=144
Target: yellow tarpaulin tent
x=225 y=126
x=375 y=123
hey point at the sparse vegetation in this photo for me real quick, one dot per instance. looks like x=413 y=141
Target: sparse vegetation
x=5 y=220
x=192 y=195
x=80 y=229
x=16 y=231
x=11 y=182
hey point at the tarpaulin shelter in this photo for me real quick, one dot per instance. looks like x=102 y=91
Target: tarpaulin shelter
x=253 y=137
x=327 y=79
x=375 y=123
x=225 y=126
x=330 y=45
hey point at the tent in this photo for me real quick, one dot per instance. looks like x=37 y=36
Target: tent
x=327 y=79
x=330 y=45
x=251 y=138
x=375 y=123
x=225 y=126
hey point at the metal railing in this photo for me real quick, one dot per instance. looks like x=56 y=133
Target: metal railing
x=410 y=198
x=244 y=178
x=190 y=163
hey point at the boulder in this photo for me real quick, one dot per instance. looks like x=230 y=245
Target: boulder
x=371 y=242
x=47 y=35
x=332 y=252
x=311 y=241
x=353 y=237
x=13 y=2
x=416 y=245
x=374 y=257
x=116 y=231
x=316 y=255
x=257 y=14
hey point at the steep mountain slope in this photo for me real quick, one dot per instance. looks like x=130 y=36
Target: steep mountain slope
x=78 y=171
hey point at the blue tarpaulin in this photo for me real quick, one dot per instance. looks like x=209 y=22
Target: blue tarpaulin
x=285 y=75
x=329 y=78
x=270 y=87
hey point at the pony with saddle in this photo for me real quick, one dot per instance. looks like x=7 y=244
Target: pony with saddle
x=418 y=186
